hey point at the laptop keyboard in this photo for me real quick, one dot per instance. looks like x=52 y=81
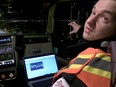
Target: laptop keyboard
x=46 y=83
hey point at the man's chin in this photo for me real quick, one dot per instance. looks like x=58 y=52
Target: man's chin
x=87 y=37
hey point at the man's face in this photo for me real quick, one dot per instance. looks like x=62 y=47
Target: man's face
x=102 y=21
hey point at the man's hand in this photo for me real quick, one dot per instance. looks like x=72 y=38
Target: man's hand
x=75 y=27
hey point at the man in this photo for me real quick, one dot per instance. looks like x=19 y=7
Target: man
x=101 y=25
x=102 y=20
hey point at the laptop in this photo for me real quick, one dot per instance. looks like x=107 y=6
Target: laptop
x=39 y=70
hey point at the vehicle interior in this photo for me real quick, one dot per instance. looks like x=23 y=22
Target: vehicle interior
x=33 y=28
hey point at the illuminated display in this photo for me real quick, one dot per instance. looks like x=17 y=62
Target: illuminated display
x=5 y=39
x=7 y=51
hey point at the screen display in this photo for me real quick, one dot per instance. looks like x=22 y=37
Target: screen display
x=40 y=66
x=5 y=39
x=7 y=51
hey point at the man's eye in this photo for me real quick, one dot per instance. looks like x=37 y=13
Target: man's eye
x=105 y=19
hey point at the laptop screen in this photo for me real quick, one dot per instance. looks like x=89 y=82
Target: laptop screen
x=40 y=66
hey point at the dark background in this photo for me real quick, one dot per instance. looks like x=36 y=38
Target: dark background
x=22 y=17
x=32 y=15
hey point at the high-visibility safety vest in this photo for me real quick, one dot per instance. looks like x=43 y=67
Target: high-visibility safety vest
x=91 y=66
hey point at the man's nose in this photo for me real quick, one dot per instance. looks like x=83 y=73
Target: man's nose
x=92 y=21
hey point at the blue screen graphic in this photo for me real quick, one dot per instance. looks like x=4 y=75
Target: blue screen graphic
x=36 y=66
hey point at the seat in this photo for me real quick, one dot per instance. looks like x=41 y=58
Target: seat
x=113 y=62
